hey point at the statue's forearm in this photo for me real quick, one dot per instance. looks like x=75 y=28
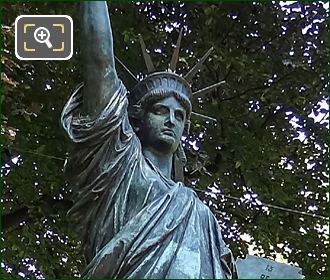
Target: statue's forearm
x=99 y=72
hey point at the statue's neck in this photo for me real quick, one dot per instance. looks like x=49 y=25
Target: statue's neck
x=162 y=161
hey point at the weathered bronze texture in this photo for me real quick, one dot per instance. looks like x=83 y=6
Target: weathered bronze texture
x=136 y=218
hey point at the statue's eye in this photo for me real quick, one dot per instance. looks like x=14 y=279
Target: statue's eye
x=179 y=115
x=160 y=110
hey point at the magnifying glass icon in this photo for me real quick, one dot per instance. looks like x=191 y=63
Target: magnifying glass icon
x=41 y=35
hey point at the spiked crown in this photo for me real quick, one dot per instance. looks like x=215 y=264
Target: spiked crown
x=160 y=83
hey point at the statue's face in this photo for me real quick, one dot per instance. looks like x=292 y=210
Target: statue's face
x=163 y=125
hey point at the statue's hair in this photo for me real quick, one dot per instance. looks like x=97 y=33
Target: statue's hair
x=158 y=94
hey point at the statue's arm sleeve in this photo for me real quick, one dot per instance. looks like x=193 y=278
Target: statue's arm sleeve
x=99 y=73
x=104 y=156
x=100 y=141
x=95 y=118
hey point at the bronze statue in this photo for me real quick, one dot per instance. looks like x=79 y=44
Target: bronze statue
x=136 y=217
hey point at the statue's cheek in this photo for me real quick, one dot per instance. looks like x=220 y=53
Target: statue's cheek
x=156 y=121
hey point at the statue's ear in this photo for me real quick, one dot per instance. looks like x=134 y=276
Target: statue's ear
x=136 y=124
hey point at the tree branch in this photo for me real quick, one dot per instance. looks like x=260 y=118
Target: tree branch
x=14 y=218
x=243 y=93
x=22 y=214
x=257 y=88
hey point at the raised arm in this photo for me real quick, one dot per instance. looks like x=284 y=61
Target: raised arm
x=99 y=73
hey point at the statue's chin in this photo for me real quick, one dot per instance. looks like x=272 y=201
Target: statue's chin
x=166 y=145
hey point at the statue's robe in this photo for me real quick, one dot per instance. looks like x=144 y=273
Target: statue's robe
x=135 y=223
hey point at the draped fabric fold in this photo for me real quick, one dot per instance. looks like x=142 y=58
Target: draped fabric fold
x=135 y=223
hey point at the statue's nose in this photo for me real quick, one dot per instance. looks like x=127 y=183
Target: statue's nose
x=170 y=121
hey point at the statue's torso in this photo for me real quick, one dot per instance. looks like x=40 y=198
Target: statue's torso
x=135 y=222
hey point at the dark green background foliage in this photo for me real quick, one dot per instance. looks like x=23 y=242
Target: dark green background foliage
x=276 y=76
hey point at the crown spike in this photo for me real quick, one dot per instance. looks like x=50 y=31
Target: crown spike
x=188 y=77
x=200 y=116
x=146 y=56
x=126 y=69
x=202 y=92
x=175 y=55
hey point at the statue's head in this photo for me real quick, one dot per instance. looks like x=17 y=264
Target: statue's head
x=160 y=111
x=160 y=107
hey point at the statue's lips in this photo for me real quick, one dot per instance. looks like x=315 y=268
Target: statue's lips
x=169 y=132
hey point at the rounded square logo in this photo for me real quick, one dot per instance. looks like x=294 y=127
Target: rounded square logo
x=43 y=37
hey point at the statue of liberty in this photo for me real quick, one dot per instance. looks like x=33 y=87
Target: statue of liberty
x=136 y=217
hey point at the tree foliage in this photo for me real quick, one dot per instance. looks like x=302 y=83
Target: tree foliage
x=268 y=147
